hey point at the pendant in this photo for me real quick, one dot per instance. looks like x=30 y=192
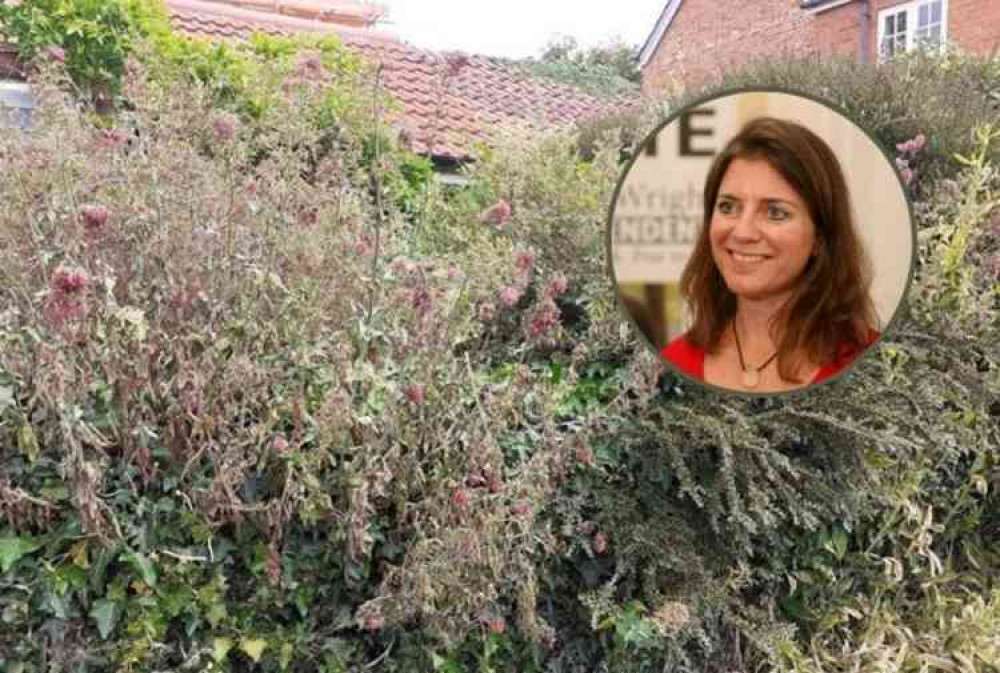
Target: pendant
x=751 y=378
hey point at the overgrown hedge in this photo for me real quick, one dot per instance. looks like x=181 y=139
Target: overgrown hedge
x=257 y=412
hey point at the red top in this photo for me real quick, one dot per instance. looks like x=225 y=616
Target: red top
x=691 y=360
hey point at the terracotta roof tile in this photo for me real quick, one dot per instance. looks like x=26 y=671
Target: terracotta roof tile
x=450 y=101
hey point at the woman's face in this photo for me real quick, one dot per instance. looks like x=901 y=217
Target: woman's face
x=761 y=232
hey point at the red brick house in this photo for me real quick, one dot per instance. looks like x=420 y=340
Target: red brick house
x=696 y=39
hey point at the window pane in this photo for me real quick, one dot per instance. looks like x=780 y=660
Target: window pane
x=901 y=22
x=924 y=15
x=936 y=11
x=936 y=33
x=890 y=24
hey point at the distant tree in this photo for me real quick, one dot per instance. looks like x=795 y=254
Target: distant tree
x=616 y=55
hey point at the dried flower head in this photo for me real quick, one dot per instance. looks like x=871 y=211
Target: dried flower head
x=497 y=214
x=54 y=53
x=112 y=138
x=415 y=394
x=94 y=217
x=541 y=322
x=584 y=454
x=67 y=280
x=486 y=311
x=672 y=616
x=557 y=286
x=310 y=65
x=456 y=63
x=224 y=126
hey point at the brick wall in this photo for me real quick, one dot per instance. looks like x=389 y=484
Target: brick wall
x=975 y=24
x=836 y=31
x=704 y=39
x=707 y=37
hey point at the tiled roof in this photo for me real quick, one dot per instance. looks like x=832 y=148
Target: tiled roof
x=450 y=102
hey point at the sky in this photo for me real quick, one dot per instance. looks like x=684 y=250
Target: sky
x=517 y=28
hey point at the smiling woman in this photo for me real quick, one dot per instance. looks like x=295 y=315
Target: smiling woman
x=778 y=282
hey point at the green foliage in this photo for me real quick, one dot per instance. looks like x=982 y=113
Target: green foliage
x=615 y=55
x=96 y=35
x=596 y=78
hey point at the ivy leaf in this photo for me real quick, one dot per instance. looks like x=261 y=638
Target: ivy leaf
x=254 y=648
x=13 y=548
x=145 y=568
x=28 y=442
x=6 y=397
x=106 y=613
x=220 y=648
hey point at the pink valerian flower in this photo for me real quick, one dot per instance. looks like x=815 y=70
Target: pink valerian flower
x=460 y=499
x=454 y=272
x=541 y=322
x=364 y=245
x=524 y=260
x=509 y=296
x=907 y=175
x=111 y=139
x=600 y=543
x=65 y=302
x=224 y=126
x=415 y=394
x=402 y=266
x=913 y=145
x=557 y=286
x=94 y=217
x=280 y=445
x=520 y=508
x=497 y=214
x=421 y=300
x=69 y=281
x=497 y=625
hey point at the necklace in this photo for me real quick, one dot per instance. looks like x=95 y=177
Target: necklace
x=751 y=376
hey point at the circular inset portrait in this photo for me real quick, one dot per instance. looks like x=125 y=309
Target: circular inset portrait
x=760 y=241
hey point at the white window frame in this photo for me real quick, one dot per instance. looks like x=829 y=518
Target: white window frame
x=912 y=11
x=17 y=105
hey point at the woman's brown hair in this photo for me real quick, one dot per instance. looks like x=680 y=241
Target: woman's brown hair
x=830 y=308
